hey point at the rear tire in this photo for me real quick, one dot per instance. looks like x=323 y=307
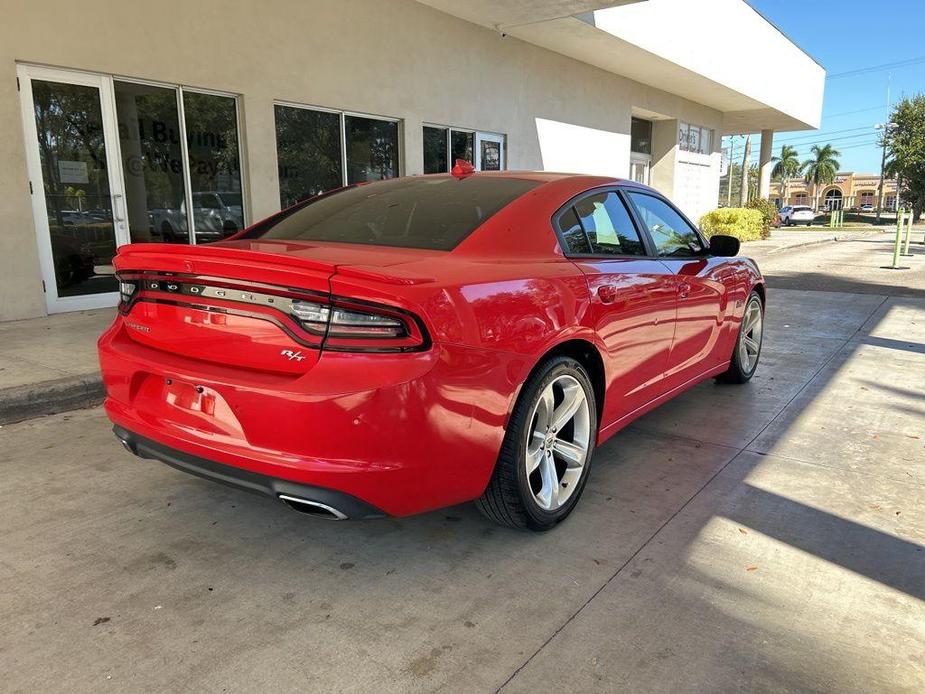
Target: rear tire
x=538 y=431
x=747 y=348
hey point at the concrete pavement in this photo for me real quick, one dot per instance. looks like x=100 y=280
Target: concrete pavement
x=765 y=537
x=49 y=365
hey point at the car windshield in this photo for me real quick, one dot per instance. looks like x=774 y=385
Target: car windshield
x=231 y=199
x=432 y=212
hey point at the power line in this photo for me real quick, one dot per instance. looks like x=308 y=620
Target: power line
x=851 y=113
x=876 y=68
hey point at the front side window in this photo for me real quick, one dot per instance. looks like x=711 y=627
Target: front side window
x=673 y=236
x=433 y=213
x=608 y=225
x=573 y=235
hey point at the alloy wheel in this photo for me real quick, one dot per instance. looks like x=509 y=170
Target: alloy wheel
x=750 y=342
x=558 y=442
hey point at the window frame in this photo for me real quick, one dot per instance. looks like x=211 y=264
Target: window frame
x=342 y=117
x=701 y=130
x=621 y=194
x=450 y=129
x=180 y=89
x=704 y=242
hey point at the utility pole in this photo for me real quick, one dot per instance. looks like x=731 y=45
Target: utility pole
x=886 y=130
x=743 y=191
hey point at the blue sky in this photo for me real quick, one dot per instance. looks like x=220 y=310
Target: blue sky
x=846 y=36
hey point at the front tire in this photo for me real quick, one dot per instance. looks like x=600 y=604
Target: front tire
x=747 y=349
x=545 y=458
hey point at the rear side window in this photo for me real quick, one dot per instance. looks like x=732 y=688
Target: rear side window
x=600 y=224
x=672 y=235
x=434 y=212
x=608 y=225
x=572 y=233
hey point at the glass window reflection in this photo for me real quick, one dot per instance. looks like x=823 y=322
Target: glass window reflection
x=307 y=153
x=152 y=162
x=78 y=201
x=214 y=165
x=372 y=149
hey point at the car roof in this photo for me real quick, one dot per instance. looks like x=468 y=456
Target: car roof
x=577 y=179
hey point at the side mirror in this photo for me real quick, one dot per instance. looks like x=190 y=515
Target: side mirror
x=724 y=246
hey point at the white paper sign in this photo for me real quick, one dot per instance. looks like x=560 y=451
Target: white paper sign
x=73 y=172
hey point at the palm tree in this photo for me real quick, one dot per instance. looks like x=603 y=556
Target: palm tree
x=787 y=167
x=821 y=169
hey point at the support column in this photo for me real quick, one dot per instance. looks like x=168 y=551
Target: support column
x=765 y=164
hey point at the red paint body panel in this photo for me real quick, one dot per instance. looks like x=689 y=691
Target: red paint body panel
x=419 y=430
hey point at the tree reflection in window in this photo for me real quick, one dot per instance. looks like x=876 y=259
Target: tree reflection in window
x=673 y=236
x=608 y=225
x=307 y=152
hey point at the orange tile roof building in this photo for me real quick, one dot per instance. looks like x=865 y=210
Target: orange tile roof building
x=848 y=190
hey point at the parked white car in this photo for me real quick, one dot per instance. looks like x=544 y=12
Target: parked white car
x=796 y=214
x=867 y=208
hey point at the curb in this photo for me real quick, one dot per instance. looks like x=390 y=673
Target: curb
x=50 y=397
x=816 y=242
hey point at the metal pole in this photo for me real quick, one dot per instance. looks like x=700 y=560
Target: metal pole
x=908 y=235
x=899 y=233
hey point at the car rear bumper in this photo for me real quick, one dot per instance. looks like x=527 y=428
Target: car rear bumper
x=400 y=434
x=326 y=503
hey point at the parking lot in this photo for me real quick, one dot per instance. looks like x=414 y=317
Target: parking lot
x=752 y=538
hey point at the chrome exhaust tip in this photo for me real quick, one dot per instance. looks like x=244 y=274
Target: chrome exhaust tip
x=312 y=508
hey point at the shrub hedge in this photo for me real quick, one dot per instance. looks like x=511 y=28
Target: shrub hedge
x=744 y=224
x=768 y=212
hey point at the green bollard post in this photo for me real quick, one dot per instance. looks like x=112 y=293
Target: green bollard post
x=899 y=232
x=906 y=252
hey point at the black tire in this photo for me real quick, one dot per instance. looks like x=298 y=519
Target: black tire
x=736 y=373
x=508 y=500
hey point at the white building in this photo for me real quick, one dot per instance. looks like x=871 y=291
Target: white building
x=120 y=118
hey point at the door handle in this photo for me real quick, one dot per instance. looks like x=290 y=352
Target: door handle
x=683 y=290
x=607 y=293
x=118 y=208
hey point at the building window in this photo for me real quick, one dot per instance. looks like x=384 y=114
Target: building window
x=443 y=145
x=694 y=138
x=435 y=150
x=867 y=197
x=641 y=136
x=307 y=153
x=372 y=149
x=156 y=170
x=318 y=150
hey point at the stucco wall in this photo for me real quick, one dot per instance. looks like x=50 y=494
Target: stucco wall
x=397 y=58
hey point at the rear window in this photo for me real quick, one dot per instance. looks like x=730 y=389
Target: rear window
x=433 y=212
x=801 y=208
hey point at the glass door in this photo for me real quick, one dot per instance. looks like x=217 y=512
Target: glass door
x=639 y=168
x=77 y=199
x=489 y=152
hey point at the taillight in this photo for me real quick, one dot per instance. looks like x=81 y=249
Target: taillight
x=127 y=291
x=351 y=326
x=315 y=320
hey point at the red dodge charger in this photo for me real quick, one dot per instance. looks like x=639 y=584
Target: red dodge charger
x=396 y=347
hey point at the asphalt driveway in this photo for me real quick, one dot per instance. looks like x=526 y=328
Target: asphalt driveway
x=758 y=538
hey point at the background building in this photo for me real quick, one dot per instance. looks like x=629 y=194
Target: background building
x=848 y=190
x=184 y=121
